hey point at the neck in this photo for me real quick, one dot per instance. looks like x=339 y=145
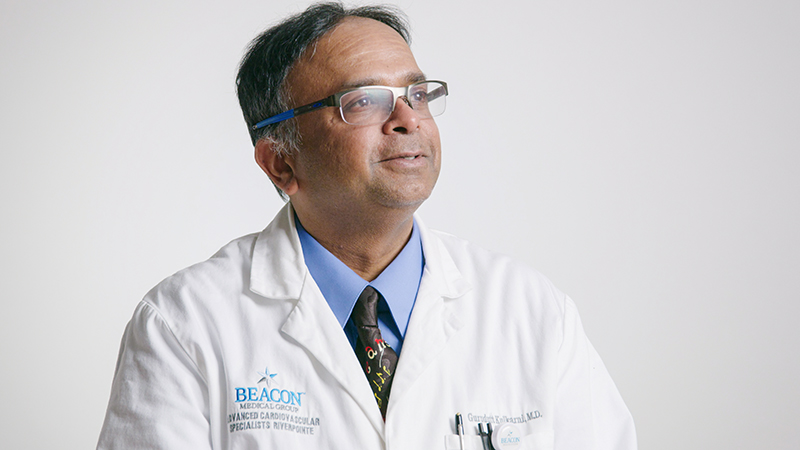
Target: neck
x=367 y=244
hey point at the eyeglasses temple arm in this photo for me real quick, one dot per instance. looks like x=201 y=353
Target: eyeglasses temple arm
x=275 y=119
x=438 y=92
x=325 y=102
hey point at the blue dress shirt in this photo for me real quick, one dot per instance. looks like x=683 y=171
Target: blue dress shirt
x=341 y=286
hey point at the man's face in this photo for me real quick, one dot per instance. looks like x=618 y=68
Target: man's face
x=361 y=168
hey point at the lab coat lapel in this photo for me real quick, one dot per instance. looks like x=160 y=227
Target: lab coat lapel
x=313 y=325
x=433 y=322
x=279 y=272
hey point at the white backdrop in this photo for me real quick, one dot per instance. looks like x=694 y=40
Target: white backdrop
x=643 y=155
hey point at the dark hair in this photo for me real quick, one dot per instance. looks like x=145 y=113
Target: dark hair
x=270 y=57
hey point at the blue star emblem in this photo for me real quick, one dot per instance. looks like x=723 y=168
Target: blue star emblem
x=267 y=377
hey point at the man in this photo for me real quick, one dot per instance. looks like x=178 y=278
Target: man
x=346 y=323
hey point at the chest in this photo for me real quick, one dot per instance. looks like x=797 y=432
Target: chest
x=295 y=381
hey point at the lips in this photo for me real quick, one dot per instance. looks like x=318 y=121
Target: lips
x=404 y=156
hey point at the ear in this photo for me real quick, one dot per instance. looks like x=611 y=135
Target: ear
x=279 y=167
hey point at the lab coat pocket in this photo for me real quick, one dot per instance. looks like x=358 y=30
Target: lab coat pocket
x=453 y=442
x=540 y=440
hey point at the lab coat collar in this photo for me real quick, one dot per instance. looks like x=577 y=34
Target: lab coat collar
x=279 y=269
x=443 y=272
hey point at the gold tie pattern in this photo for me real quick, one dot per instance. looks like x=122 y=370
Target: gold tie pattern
x=377 y=358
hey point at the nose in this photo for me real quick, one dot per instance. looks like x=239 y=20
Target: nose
x=403 y=120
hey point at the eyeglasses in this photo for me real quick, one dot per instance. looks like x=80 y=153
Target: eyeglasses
x=370 y=105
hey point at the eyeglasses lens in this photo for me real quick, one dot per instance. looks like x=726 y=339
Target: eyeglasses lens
x=374 y=105
x=428 y=99
x=366 y=106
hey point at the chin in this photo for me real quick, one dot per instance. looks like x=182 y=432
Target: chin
x=406 y=199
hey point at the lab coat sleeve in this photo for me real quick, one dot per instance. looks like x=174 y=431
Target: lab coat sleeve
x=589 y=411
x=158 y=397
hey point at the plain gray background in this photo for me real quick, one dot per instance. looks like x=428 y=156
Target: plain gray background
x=643 y=155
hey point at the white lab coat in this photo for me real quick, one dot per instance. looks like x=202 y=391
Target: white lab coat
x=243 y=352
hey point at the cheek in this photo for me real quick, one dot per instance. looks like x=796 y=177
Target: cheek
x=434 y=141
x=334 y=159
x=317 y=146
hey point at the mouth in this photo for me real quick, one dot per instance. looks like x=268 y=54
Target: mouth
x=407 y=157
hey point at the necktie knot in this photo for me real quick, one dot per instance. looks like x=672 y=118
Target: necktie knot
x=365 y=313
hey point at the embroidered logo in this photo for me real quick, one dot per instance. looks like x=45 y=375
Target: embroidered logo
x=266 y=406
x=266 y=377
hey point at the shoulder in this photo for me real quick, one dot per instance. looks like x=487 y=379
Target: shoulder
x=233 y=258
x=206 y=285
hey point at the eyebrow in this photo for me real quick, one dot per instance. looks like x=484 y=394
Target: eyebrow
x=410 y=78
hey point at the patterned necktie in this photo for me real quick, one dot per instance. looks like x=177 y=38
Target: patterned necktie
x=376 y=357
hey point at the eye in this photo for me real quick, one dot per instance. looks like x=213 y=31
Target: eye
x=418 y=94
x=363 y=102
x=359 y=102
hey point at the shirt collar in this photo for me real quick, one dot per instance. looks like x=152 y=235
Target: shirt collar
x=398 y=283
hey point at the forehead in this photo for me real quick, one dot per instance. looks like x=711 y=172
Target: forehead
x=357 y=52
